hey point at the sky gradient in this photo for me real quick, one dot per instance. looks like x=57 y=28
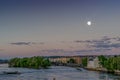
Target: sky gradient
x=59 y=27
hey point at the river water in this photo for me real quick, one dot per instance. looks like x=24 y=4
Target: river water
x=57 y=72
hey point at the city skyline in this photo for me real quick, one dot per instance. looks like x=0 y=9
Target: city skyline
x=59 y=27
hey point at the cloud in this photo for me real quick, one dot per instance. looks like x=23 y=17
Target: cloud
x=104 y=42
x=54 y=51
x=27 y=43
x=21 y=43
x=117 y=45
x=117 y=38
x=91 y=50
x=72 y=52
x=57 y=51
x=106 y=38
x=90 y=41
x=37 y=43
x=107 y=43
x=80 y=41
x=103 y=45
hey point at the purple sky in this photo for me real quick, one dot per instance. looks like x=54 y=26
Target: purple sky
x=59 y=27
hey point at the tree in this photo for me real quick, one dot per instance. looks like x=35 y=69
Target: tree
x=102 y=60
x=84 y=61
x=71 y=60
x=110 y=63
x=32 y=62
x=45 y=63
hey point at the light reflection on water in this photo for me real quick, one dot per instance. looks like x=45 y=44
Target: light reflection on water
x=59 y=72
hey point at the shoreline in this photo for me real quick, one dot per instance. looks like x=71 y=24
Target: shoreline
x=116 y=72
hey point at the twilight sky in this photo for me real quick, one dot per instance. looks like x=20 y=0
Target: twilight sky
x=59 y=27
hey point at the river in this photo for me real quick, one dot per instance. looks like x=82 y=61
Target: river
x=57 y=72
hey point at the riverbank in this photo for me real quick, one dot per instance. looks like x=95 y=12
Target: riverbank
x=116 y=72
x=5 y=65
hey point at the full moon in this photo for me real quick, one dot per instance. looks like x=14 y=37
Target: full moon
x=89 y=23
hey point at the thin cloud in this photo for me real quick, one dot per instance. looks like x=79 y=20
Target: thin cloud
x=104 y=42
x=37 y=43
x=81 y=41
x=54 y=51
x=21 y=43
x=91 y=50
x=27 y=43
x=117 y=45
x=61 y=51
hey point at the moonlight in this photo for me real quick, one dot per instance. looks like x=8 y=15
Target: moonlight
x=89 y=23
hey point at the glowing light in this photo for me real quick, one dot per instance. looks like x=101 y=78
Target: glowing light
x=89 y=23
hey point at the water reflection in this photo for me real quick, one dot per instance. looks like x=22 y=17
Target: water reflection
x=57 y=72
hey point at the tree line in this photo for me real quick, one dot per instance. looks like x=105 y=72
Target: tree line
x=110 y=63
x=35 y=62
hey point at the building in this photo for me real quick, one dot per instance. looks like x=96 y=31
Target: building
x=65 y=59
x=93 y=62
